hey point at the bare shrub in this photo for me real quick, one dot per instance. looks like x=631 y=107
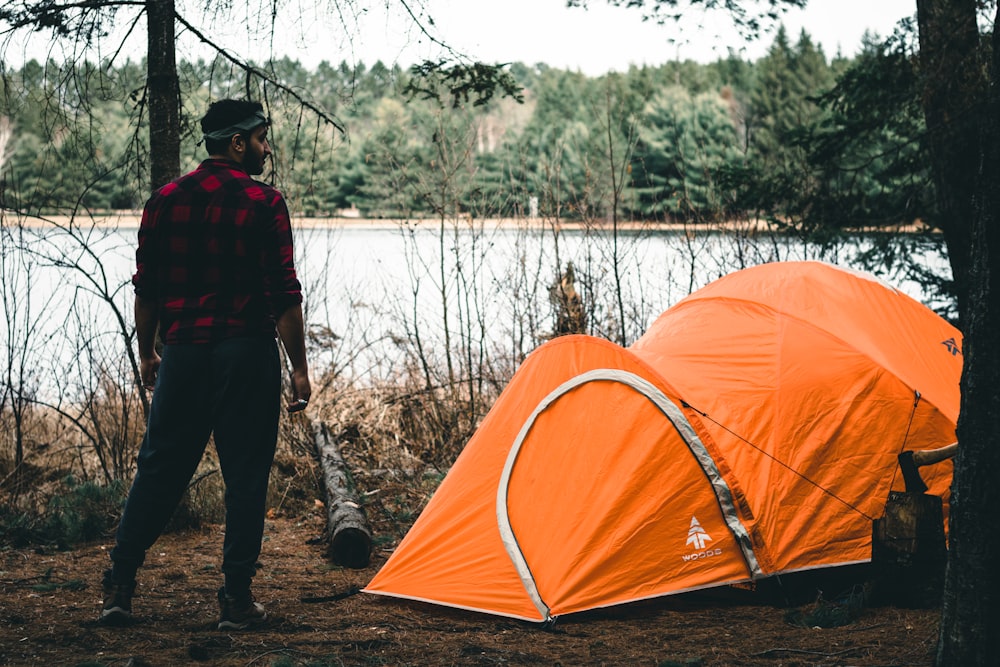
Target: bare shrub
x=50 y=455
x=295 y=486
x=109 y=425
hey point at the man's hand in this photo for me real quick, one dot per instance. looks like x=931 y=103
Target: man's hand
x=301 y=391
x=148 y=368
x=145 y=333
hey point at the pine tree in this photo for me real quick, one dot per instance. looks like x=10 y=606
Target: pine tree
x=684 y=141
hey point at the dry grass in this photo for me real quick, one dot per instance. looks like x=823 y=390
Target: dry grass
x=398 y=442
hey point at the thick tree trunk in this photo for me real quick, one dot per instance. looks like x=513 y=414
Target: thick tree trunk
x=348 y=535
x=970 y=624
x=953 y=93
x=163 y=94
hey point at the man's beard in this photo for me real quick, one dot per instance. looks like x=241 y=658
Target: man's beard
x=253 y=164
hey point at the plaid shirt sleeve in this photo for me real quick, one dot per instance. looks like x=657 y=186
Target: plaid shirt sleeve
x=144 y=280
x=282 y=288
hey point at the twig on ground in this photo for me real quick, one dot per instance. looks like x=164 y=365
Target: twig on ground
x=277 y=650
x=773 y=651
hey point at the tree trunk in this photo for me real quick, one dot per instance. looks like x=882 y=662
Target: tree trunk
x=953 y=93
x=969 y=622
x=349 y=538
x=163 y=94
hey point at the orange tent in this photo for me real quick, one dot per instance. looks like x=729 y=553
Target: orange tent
x=752 y=431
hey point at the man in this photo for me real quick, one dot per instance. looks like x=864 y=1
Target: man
x=215 y=274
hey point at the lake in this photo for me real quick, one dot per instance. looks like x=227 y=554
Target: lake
x=385 y=299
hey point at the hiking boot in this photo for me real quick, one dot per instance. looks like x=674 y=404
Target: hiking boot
x=239 y=612
x=117 y=608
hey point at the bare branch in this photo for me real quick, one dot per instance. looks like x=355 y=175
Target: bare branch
x=121 y=44
x=51 y=15
x=254 y=71
x=423 y=29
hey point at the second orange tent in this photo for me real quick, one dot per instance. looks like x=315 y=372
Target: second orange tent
x=752 y=431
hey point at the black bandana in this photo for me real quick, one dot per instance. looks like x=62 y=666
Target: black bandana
x=257 y=119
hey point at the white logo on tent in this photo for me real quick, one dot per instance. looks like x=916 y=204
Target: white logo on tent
x=697 y=537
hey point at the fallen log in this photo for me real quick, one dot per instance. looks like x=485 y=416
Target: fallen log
x=348 y=537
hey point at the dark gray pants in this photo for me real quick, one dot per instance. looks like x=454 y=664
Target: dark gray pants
x=230 y=390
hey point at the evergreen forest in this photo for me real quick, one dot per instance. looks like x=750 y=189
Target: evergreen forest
x=795 y=138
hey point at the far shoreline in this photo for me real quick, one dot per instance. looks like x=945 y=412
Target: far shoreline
x=131 y=220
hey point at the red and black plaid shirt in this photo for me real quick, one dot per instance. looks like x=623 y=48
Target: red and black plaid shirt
x=215 y=256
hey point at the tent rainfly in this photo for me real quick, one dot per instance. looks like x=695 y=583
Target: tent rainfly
x=752 y=431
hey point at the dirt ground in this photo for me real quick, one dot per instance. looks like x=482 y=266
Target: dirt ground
x=49 y=602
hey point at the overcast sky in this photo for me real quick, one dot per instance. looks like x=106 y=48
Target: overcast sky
x=605 y=37
x=595 y=40
x=598 y=39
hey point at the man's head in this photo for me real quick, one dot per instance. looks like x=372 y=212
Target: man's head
x=237 y=129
